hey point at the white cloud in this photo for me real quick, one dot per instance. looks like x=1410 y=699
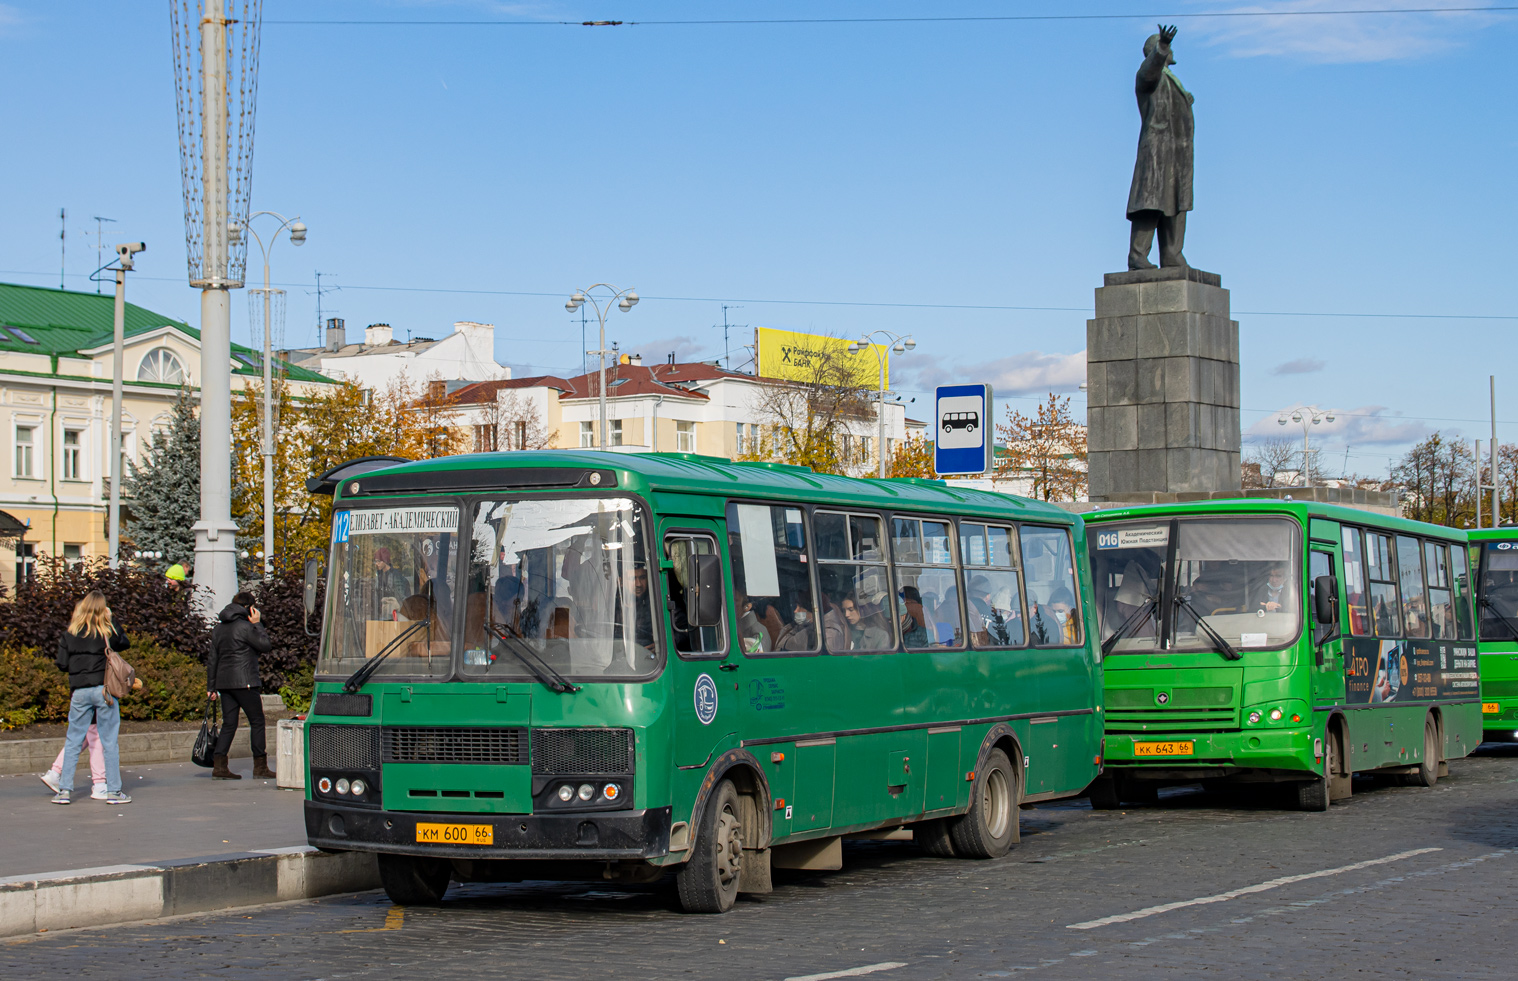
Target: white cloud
x=1306 y=31
x=1028 y=373
x=1368 y=425
x=1300 y=366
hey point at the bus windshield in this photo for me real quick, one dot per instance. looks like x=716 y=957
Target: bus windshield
x=391 y=591
x=561 y=585
x=1497 y=600
x=1237 y=580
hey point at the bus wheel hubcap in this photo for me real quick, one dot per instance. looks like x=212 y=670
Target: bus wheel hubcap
x=994 y=803
x=729 y=846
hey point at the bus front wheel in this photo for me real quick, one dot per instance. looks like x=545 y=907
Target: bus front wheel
x=990 y=826
x=708 y=883
x=410 y=880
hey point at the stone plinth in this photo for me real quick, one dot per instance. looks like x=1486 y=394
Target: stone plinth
x=1162 y=372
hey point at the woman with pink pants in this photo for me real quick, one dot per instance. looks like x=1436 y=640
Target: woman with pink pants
x=97 y=766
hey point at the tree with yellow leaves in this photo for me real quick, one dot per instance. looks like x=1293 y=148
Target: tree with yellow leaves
x=1048 y=448
x=913 y=458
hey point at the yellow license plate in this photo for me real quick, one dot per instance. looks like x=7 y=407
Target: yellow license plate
x=455 y=834
x=1181 y=748
x=1491 y=708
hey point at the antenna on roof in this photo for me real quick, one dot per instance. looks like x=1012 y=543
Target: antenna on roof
x=727 y=360
x=320 y=289
x=63 y=244
x=99 y=241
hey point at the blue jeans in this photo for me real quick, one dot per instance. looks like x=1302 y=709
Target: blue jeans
x=106 y=710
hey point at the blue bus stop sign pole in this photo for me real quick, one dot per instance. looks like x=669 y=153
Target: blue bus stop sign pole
x=963 y=430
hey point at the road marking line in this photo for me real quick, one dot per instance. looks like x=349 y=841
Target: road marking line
x=1244 y=891
x=852 y=972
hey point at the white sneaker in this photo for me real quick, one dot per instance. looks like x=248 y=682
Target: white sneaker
x=98 y=793
x=51 y=779
x=117 y=798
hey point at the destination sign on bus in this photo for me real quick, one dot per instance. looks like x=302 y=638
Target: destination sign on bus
x=395 y=521
x=1155 y=536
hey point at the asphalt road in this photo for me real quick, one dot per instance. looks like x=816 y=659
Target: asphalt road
x=1398 y=882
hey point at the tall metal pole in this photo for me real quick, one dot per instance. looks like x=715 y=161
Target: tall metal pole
x=601 y=351
x=1496 y=492
x=268 y=433
x=118 y=348
x=1480 y=488
x=880 y=415
x=1306 y=457
x=215 y=533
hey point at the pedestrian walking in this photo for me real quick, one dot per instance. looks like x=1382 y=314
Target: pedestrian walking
x=97 y=765
x=82 y=653
x=232 y=676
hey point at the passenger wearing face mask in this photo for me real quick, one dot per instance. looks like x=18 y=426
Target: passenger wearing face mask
x=801 y=633
x=1061 y=606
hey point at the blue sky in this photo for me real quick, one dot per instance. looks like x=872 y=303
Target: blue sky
x=1345 y=165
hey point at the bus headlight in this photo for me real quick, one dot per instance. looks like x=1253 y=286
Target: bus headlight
x=1275 y=715
x=566 y=793
x=358 y=788
x=342 y=785
x=1254 y=718
x=587 y=791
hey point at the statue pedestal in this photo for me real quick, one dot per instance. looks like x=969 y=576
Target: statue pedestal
x=1162 y=372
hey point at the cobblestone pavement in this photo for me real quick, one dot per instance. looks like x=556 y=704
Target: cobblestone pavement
x=1398 y=882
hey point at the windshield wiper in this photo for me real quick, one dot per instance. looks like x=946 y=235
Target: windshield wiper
x=541 y=669
x=1224 y=648
x=1502 y=618
x=1135 y=618
x=356 y=679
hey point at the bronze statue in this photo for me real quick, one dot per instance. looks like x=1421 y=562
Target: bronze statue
x=1161 y=191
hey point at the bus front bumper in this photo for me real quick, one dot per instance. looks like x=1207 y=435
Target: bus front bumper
x=592 y=835
x=1216 y=753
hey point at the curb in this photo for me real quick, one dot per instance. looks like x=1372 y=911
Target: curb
x=125 y=893
x=19 y=756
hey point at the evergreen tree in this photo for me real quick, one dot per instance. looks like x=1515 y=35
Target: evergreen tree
x=164 y=493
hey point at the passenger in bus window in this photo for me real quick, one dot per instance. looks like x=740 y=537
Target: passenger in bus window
x=388 y=580
x=800 y=634
x=863 y=633
x=643 y=628
x=751 y=633
x=1272 y=595
x=1061 y=606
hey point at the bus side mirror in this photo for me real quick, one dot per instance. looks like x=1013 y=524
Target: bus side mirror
x=703 y=591
x=313 y=573
x=1325 y=599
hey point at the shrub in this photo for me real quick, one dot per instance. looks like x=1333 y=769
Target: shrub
x=296 y=693
x=32 y=689
x=173 y=684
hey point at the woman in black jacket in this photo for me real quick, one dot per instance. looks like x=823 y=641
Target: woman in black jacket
x=81 y=652
x=232 y=675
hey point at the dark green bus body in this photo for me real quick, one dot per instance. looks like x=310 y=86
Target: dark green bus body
x=1494 y=554
x=1183 y=715
x=822 y=744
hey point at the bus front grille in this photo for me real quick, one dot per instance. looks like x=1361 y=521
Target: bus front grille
x=1499 y=689
x=454 y=744
x=1160 y=719
x=344 y=747
x=561 y=752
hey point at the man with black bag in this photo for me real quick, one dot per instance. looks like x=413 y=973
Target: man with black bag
x=232 y=677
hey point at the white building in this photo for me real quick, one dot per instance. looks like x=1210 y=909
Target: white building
x=465 y=355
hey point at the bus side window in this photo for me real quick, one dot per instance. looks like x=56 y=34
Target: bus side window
x=1385 y=609
x=1054 y=617
x=1441 y=603
x=1414 y=596
x=1354 y=583
x=772 y=580
x=688 y=639
x=1462 y=583
x=993 y=595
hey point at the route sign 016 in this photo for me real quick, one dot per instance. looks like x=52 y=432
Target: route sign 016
x=963 y=430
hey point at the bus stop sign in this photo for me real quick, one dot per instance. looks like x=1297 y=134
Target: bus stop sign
x=963 y=430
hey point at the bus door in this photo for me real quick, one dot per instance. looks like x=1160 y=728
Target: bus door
x=702 y=678
x=1328 y=639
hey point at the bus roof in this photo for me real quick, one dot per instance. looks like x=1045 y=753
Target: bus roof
x=1300 y=510
x=690 y=473
x=1508 y=533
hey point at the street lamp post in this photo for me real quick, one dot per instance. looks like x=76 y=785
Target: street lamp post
x=1306 y=417
x=297 y=238
x=899 y=345
x=626 y=300
x=124 y=264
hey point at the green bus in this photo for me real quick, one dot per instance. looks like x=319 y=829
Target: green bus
x=1494 y=551
x=573 y=664
x=1254 y=640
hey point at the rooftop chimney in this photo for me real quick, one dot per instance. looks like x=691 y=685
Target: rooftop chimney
x=377 y=335
x=337 y=334
x=635 y=359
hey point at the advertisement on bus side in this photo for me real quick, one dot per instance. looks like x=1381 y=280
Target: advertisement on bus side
x=1377 y=671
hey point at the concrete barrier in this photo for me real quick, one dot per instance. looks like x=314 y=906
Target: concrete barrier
x=137 y=748
x=127 y=893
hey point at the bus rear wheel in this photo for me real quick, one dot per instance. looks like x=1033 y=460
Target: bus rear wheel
x=411 y=880
x=988 y=829
x=708 y=883
x=1427 y=773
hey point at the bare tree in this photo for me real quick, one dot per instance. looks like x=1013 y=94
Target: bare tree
x=1273 y=457
x=1438 y=479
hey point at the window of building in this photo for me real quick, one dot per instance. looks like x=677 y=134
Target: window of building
x=587 y=434
x=484 y=439
x=73 y=554
x=739 y=449
x=864 y=449
x=616 y=432
x=26 y=445
x=26 y=561
x=521 y=435
x=685 y=437
x=161 y=365
x=890 y=448
x=848 y=449
x=71 y=455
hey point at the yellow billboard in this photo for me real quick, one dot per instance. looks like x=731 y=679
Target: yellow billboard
x=802 y=357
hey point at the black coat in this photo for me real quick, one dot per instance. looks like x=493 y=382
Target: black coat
x=1162 y=172
x=235 y=646
x=84 y=657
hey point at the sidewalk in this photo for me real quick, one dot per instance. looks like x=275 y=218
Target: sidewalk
x=185 y=844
